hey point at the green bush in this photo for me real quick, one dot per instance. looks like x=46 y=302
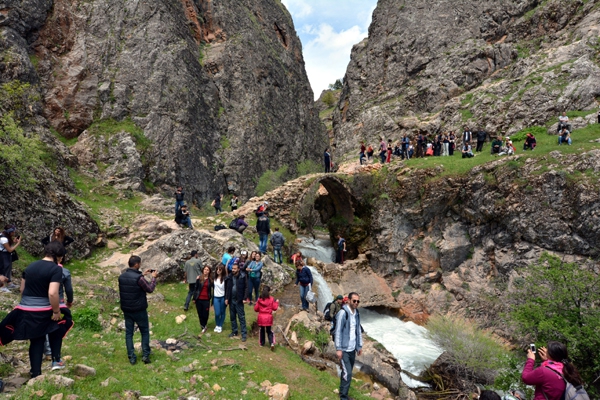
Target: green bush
x=559 y=301
x=270 y=180
x=474 y=351
x=329 y=99
x=87 y=319
x=520 y=136
x=307 y=167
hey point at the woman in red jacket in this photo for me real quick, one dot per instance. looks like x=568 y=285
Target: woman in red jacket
x=265 y=307
x=548 y=377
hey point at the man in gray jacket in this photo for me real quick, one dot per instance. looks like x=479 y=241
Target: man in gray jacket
x=277 y=241
x=348 y=341
x=192 y=271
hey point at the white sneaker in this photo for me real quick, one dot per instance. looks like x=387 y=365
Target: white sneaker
x=204 y=329
x=220 y=329
x=4 y=290
x=216 y=329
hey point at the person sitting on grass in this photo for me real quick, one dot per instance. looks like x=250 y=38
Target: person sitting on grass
x=508 y=148
x=496 y=145
x=564 y=137
x=530 y=142
x=467 y=151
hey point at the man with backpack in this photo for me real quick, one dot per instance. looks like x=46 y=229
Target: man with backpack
x=348 y=341
x=331 y=310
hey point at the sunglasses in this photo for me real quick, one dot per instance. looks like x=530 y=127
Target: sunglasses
x=356 y=301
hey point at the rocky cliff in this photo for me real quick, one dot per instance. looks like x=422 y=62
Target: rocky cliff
x=496 y=65
x=218 y=88
x=34 y=180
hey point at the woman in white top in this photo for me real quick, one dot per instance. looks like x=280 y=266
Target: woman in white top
x=9 y=241
x=219 y=297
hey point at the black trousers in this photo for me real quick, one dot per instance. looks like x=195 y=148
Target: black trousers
x=36 y=351
x=480 y=145
x=261 y=337
x=203 y=308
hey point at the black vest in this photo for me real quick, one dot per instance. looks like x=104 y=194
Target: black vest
x=133 y=297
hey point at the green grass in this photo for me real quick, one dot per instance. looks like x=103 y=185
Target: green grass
x=456 y=165
x=109 y=127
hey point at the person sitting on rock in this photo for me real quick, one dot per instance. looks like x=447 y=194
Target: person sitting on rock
x=467 y=151
x=564 y=137
x=183 y=217
x=530 y=142
x=496 y=145
x=241 y=224
x=563 y=122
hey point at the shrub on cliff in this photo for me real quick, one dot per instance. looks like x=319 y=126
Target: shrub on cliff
x=270 y=180
x=474 y=354
x=559 y=301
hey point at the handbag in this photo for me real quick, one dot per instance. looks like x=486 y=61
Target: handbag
x=14 y=256
x=310 y=296
x=212 y=204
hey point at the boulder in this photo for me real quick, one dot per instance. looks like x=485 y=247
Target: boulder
x=279 y=391
x=84 y=370
x=54 y=380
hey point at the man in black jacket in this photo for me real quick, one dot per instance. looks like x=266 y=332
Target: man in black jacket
x=263 y=227
x=481 y=136
x=133 y=287
x=235 y=290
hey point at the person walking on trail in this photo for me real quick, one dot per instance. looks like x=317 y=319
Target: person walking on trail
x=216 y=203
x=263 y=227
x=179 y=195
x=191 y=272
x=341 y=249
x=133 y=287
x=266 y=307
x=235 y=291
x=277 y=241
x=327 y=160
x=305 y=279
x=348 y=341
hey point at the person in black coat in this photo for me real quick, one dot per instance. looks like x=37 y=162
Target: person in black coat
x=58 y=235
x=235 y=292
x=481 y=136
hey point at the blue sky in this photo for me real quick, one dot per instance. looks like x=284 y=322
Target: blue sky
x=328 y=29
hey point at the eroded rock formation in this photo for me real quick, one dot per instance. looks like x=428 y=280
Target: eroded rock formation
x=496 y=65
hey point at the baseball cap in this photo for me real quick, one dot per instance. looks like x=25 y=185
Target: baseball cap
x=339 y=297
x=244 y=253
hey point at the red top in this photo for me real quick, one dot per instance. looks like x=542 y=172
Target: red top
x=545 y=381
x=265 y=310
x=204 y=292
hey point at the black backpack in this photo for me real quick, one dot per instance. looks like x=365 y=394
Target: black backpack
x=326 y=313
x=334 y=319
x=233 y=224
x=220 y=227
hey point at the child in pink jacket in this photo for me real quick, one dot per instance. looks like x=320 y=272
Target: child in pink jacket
x=265 y=307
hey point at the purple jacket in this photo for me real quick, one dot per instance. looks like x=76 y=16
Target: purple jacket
x=545 y=381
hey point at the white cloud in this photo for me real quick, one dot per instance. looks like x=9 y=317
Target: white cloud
x=298 y=8
x=328 y=54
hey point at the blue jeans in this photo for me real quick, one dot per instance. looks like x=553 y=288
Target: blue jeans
x=262 y=247
x=219 y=304
x=347 y=364
x=253 y=285
x=178 y=204
x=141 y=319
x=187 y=222
x=277 y=255
x=236 y=309
x=303 y=293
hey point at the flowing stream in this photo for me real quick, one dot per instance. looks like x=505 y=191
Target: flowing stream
x=407 y=341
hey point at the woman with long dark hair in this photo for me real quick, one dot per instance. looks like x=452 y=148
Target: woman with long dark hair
x=39 y=313
x=219 y=297
x=548 y=377
x=9 y=241
x=204 y=286
x=58 y=235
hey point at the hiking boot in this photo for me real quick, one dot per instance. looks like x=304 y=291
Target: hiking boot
x=133 y=360
x=146 y=360
x=232 y=334
x=57 y=365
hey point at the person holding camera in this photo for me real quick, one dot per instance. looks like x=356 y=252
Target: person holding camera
x=549 y=378
x=9 y=241
x=133 y=287
x=183 y=217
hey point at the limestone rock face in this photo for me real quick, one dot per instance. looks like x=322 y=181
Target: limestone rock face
x=496 y=65
x=215 y=86
x=47 y=203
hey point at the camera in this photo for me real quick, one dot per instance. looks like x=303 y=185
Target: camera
x=152 y=271
x=532 y=348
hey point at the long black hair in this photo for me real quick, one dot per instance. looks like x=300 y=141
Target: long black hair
x=558 y=352
x=55 y=250
x=266 y=292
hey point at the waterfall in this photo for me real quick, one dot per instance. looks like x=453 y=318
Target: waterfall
x=407 y=341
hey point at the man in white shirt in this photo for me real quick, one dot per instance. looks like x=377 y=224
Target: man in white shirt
x=348 y=341
x=563 y=121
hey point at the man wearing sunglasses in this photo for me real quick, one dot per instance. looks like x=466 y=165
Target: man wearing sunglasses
x=348 y=340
